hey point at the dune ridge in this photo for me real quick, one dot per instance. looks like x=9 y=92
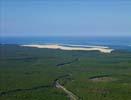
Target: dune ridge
x=61 y=47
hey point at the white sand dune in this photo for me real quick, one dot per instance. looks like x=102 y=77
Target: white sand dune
x=89 y=48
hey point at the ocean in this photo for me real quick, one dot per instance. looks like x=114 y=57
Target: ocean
x=123 y=43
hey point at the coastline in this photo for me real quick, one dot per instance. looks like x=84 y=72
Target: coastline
x=101 y=49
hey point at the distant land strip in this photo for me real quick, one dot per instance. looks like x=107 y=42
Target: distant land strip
x=72 y=48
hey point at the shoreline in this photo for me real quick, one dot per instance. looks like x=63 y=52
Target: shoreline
x=101 y=49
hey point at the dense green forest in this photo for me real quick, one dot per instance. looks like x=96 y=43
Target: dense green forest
x=30 y=74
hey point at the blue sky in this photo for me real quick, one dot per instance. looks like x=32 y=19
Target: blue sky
x=65 y=18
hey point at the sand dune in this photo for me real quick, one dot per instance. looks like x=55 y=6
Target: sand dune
x=89 y=46
x=73 y=47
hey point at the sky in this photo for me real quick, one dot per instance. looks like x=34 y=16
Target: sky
x=65 y=17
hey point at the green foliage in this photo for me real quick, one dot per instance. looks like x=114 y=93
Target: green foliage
x=23 y=68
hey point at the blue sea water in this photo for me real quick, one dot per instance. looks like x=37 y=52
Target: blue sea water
x=113 y=42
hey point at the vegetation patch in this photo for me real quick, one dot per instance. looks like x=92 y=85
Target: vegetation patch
x=66 y=63
x=102 y=78
x=99 y=90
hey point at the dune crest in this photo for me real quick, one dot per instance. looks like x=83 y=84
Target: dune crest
x=61 y=47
